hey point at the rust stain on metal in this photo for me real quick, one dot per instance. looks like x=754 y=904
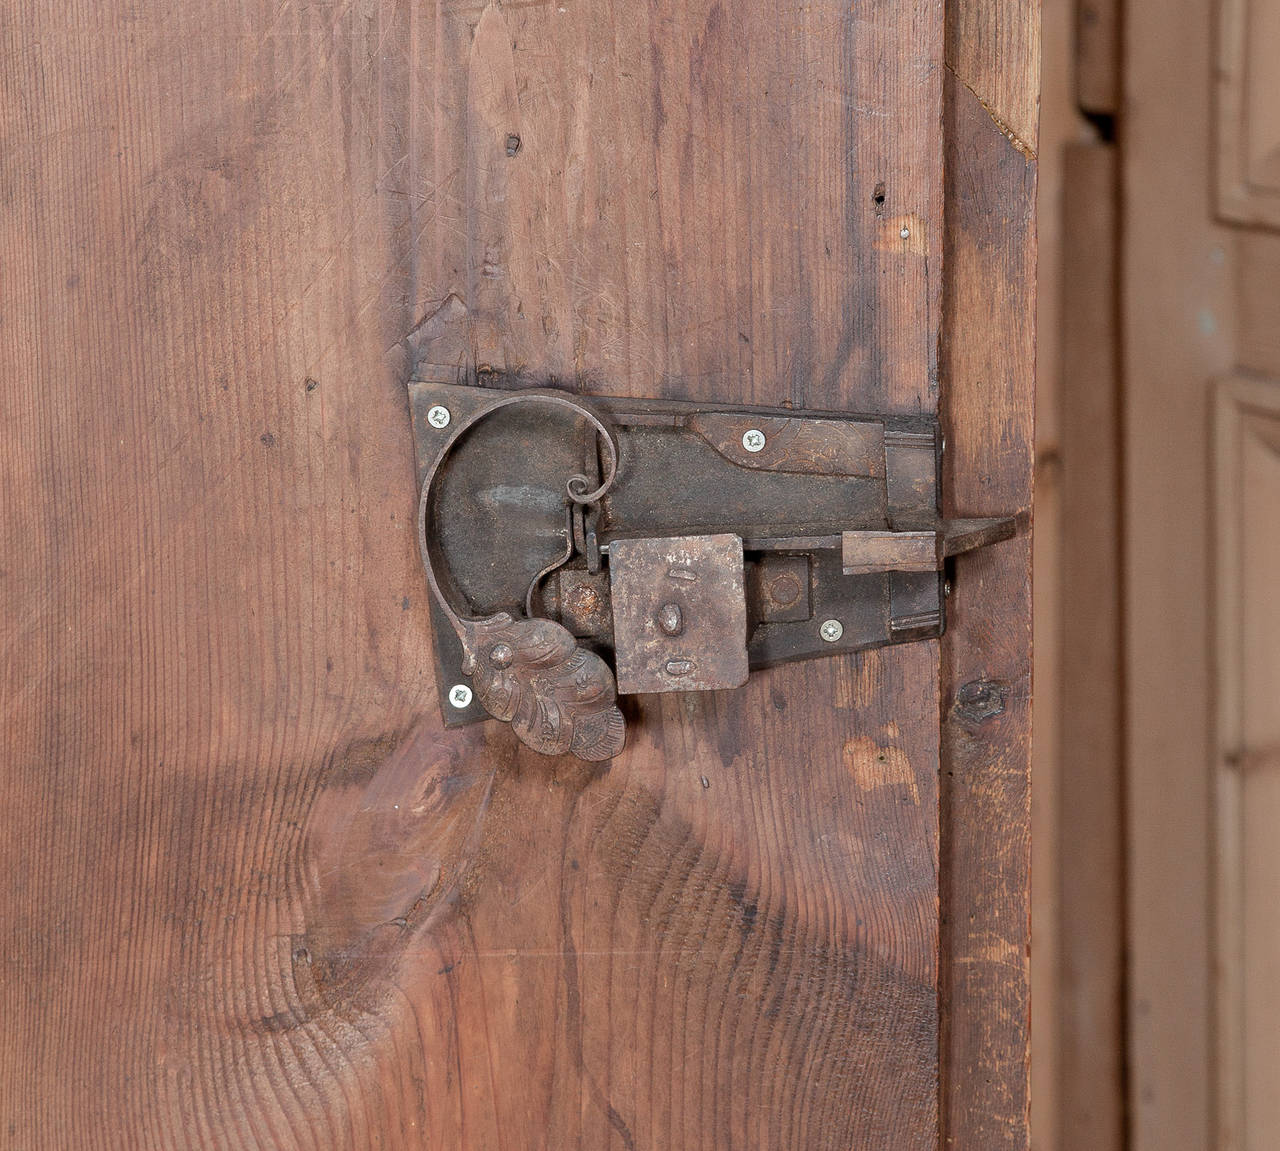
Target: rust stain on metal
x=671 y=618
x=733 y=538
x=779 y=588
x=679 y=613
x=584 y=603
x=813 y=446
x=867 y=552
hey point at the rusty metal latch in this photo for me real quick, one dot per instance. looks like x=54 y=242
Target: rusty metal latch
x=577 y=548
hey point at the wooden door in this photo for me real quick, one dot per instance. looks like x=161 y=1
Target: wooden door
x=1246 y=860
x=1202 y=373
x=258 y=896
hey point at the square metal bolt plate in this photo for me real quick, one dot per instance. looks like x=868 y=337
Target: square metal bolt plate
x=679 y=613
x=780 y=588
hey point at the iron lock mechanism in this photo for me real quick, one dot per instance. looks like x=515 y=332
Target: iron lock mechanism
x=579 y=548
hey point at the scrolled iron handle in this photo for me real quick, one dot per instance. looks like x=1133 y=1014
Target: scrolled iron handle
x=530 y=672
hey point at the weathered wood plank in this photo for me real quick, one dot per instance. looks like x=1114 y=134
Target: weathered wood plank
x=260 y=898
x=211 y=598
x=710 y=202
x=988 y=369
x=730 y=201
x=993 y=50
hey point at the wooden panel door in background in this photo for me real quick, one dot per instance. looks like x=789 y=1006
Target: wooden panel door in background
x=1247 y=865
x=1202 y=381
x=259 y=896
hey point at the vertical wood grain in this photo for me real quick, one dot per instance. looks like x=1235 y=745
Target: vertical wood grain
x=259 y=898
x=988 y=368
x=720 y=203
x=210 y=589
x=725 y=201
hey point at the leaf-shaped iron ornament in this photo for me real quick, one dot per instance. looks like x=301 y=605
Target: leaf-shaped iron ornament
x=558 y=697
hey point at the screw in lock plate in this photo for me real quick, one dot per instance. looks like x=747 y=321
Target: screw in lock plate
x=671 y=619
x=674 y=612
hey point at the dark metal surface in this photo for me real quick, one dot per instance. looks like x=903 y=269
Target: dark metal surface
x=795 y=443
x=778 y=589
x=807 y=534
x=558 y=697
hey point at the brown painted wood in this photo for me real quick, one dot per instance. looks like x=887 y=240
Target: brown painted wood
x=258 y=896
x=1258 y=302
x=1060 y=124
x=1179 y=308
x=1246 y=482
x=988 y=368
x=1091 y=783
x=1097 y=56
x=1246 y=113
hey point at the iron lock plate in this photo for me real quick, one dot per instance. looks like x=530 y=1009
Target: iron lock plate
x=724 y=538
x=679 y=613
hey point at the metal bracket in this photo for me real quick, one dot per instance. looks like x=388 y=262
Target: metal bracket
x=682 y=544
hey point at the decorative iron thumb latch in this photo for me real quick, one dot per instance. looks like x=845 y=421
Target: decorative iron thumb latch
x=577 y=548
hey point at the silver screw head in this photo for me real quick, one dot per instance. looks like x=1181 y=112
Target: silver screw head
x=460 y=696
x=753 y=440
x=438 y=416
x=831 y=630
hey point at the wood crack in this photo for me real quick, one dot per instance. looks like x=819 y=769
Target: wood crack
x=1006 y=129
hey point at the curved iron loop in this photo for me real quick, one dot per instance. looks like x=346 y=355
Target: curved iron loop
x=556 y=563
x=557 y=696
